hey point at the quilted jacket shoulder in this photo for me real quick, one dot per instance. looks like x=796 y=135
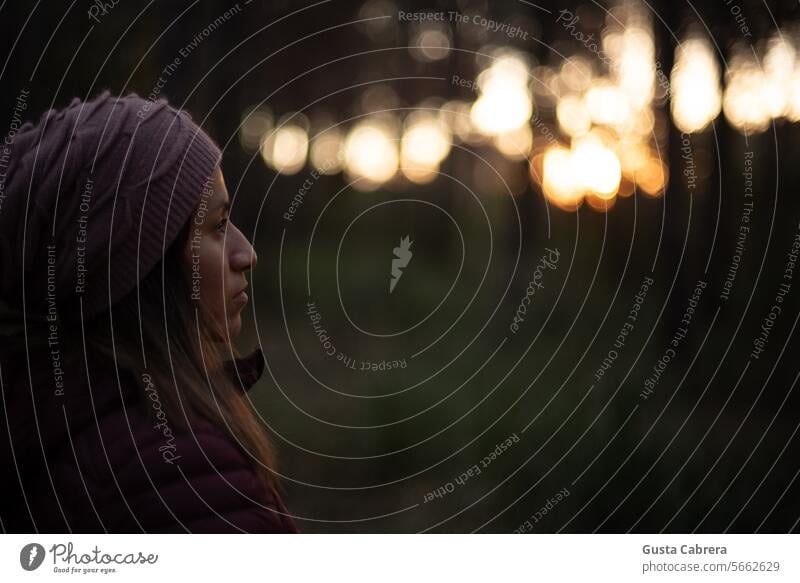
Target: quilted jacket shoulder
x=124 y=474
x=138 y=481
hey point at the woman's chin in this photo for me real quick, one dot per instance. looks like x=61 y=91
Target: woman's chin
x=230 y=330
x=234 y=327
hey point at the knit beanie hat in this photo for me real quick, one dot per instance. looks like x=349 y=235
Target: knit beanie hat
x=91 y=197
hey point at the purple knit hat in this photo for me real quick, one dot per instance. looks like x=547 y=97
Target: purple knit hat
x=91 y=198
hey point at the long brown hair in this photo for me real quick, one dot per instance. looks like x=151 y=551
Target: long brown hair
x=156 y=330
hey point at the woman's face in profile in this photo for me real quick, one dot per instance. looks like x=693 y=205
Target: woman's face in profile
x=218 y=256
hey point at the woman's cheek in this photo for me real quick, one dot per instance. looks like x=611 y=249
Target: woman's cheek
x=214 y=280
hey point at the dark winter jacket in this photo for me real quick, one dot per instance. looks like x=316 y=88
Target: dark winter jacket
x=109 y=471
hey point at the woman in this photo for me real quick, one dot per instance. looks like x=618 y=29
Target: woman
x=122 y=289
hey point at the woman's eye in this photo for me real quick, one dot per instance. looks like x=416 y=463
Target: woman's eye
x=222 y=225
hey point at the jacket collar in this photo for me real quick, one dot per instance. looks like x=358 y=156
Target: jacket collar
x=246 y=370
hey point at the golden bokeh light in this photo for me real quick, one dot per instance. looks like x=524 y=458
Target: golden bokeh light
x=425 y=143
x=370 y=153
x=589 y=168
x=653 y=177
x=607 y=105
x=596 y=167
x=327 y=151
x=745 y=103
x=600 y=204
x=591 y=128
x=635 y=72
x=455 y=115
x=501 y=110
x=431 y=44
x=632 y=156
x=285 y=149
x=696 y=95
x=559 y=181
x=255 y=125
x=573 y=116
x=576 y=73
x=505 y=103
x=516 y=144
x=756 y=93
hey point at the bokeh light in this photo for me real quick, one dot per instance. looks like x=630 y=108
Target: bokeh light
x=602 y=120
x=596 y=167
x=757 y=93
x=425 y=143
x=431 y=43
x=516 y=144
x=327 y=151
x=505 y=103
x=573 y=116
x=371 y=154
x=285 y=149
x=696 y=97
x=255 y=125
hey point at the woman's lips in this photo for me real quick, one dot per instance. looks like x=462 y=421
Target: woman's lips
x=241 y=298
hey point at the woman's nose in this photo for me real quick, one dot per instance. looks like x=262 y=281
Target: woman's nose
x=244 y=256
